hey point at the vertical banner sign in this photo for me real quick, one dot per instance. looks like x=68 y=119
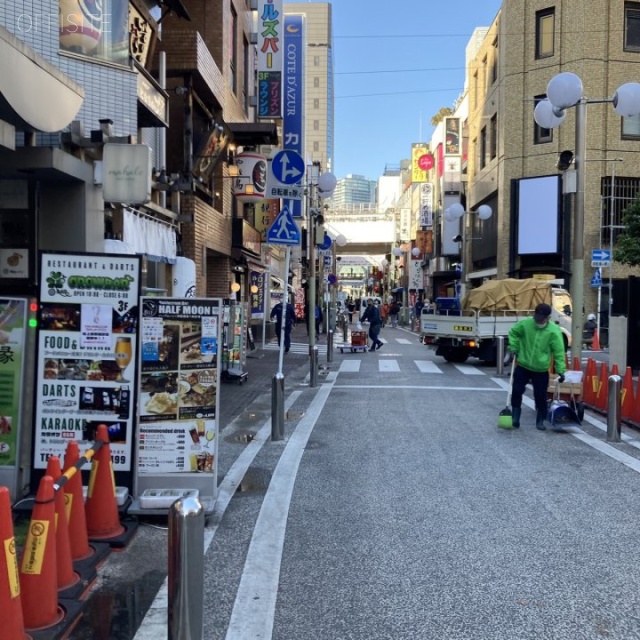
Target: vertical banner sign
x=452 y=136
x=266 y=211
x=405 y=225
x=426 y=204
x=179 y=392
x=293 y=125
x=270 y=58
x=415 y=275
x=257 y=279
x=13 y=324
x=418 y=170
x=86 y=364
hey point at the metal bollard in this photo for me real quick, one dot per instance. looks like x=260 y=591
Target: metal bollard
x=277 y=406
x=186 y=570
x=500 y=356
x=313 y=357
x=345 y=329
x=330 y=345
x=614 y=404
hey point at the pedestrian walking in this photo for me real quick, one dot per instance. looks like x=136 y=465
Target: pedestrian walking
x=394 y=310
x=384 y=313
x=351 y=307
x=289 y=317
x=372 y=314
x=535 y=342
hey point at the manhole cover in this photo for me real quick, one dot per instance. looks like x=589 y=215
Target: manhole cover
x=254 y=480
x=294 y=415
x=240 y=437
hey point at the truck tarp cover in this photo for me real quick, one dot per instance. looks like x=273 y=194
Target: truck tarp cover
x=508 y=295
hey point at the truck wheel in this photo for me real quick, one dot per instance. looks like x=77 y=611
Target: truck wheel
x=457 y=356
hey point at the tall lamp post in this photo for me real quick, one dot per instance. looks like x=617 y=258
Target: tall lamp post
x=455 y=212
x=563 y=92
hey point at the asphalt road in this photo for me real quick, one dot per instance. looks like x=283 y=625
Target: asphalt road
x=396 y=509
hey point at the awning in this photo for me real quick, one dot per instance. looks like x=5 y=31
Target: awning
x=247 y=134
x=28 y=82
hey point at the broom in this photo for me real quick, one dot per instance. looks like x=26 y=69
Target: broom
x=505 y=417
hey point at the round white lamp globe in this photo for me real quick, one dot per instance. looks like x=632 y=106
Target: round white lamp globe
x=327 y=182
x=546 y=116
x=626 y=100
x=341 y=240
x=397 y=252
x=484 y=212
x=456 y=210
x=415 y=252
x=564 y=90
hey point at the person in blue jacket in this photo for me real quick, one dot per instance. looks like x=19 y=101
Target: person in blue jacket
x=534 y=342
x=290 y=318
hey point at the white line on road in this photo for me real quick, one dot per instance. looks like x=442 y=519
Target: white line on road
x=426 y=366
x=258 y=588
x=468 y=370
x=388 y=366
x=350 y=366
x=403 y=341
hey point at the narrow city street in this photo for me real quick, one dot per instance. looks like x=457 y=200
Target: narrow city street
x=395 y=508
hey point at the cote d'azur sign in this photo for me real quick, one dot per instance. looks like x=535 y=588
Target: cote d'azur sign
x=126 y=170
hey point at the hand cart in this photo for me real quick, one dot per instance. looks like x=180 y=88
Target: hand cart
x=358 y=342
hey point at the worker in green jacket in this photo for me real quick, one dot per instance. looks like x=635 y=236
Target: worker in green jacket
x=534 y=342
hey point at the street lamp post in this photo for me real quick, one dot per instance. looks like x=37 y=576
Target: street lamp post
x=563 y=92
x=456 y=211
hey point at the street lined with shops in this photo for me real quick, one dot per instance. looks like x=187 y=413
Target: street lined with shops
x=396 y=508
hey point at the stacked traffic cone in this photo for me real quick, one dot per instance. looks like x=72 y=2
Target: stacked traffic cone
x=635 y=414
x=38 y=572
x=595 y=343
x=577 y=365
x=86 y=557
x=103 y=522
x=614 y=370
x=590 y=386
x=11 y=620
x=603 y=388
x=69 y=584
x=628 y=398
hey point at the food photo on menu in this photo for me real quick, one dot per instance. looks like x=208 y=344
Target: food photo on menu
x=60 y=317
x=156 y=405
x=196 y=350
x=197 y=393
x=163 y=354
x=81 y=369
x=201 y=436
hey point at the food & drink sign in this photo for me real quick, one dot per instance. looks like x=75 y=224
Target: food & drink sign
x=87 y=345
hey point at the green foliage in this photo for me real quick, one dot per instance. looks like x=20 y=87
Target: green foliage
x=628 y=243
x=443 y=113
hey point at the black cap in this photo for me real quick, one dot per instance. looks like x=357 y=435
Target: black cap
x=542 y=311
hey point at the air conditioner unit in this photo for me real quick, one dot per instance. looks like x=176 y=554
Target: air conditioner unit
x=253 y=37
x=253 y=101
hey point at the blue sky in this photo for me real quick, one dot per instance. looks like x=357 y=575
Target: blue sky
x=394 y=102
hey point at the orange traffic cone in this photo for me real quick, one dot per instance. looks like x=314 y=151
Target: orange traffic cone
x=603 y=388
x=101 y=506
x=67 y=577
x=614 y=370
x=628 y=398
x=11 y=620
x=78 y=538
x=595 y=344
x=635 y=415
x=38 y=573
x=577 y=365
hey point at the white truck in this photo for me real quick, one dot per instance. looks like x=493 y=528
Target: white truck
x=488 y=312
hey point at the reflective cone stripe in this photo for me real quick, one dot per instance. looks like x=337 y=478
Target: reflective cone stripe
x=590 y=385
x=101 y=506
x=11 y=619
x=38 y=573
x=66 y=575
x=628 y=398
x=603 y=387
x=74 y=500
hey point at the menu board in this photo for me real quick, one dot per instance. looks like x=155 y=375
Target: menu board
x=178 y=387
x=87 y=341
x=13 y=322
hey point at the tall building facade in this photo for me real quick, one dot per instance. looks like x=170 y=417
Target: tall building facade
x=353 y=190
x=319 y=81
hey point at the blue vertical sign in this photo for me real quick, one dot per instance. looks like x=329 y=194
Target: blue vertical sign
x=293 y=122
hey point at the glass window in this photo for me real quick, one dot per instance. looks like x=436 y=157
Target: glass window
x=631 y=128
x=96 y=29
x=316 y=82
x=494 y=62
x=233 y=51
x=316 y=125
x=482 y=151
x=540 y=135
x=545 y=25
x=493 y=152
x=632 y=26
x=316 y=103
x=316 y=61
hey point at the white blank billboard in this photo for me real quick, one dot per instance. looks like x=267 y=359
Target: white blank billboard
x=538 y=214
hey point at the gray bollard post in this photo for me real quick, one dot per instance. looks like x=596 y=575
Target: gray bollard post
x=277 y=406
x=330 y=345
x=186 y=570
x=345 y=329
x=313 y=357
x=500 y=356
x=614 y=415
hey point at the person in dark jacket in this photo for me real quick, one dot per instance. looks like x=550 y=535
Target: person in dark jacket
x=534 y=342
x=290 y=318
x=372 y=314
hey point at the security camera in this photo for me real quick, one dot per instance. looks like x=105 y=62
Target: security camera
x=564 y=160
x=457 y=238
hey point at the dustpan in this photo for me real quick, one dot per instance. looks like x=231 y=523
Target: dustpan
x=560 y=414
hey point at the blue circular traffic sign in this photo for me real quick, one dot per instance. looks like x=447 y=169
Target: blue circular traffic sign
x=287 y=167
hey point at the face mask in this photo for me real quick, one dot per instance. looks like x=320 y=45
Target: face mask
x=541 y=325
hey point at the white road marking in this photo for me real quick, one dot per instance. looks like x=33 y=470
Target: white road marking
x=388 y=366
x=350 y=366
x=403 y=341
x=469 y=370
x=426 y=366
x=258 y=588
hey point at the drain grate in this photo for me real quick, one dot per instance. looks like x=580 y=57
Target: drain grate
x=294 y=415
x=255 y=480
x=240 y=437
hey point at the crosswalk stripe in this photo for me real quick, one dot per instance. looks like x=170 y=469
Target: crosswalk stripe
x=426 y=366
x=350 y=366
x=468 y=370
x=387 y=366
x=403 y=341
